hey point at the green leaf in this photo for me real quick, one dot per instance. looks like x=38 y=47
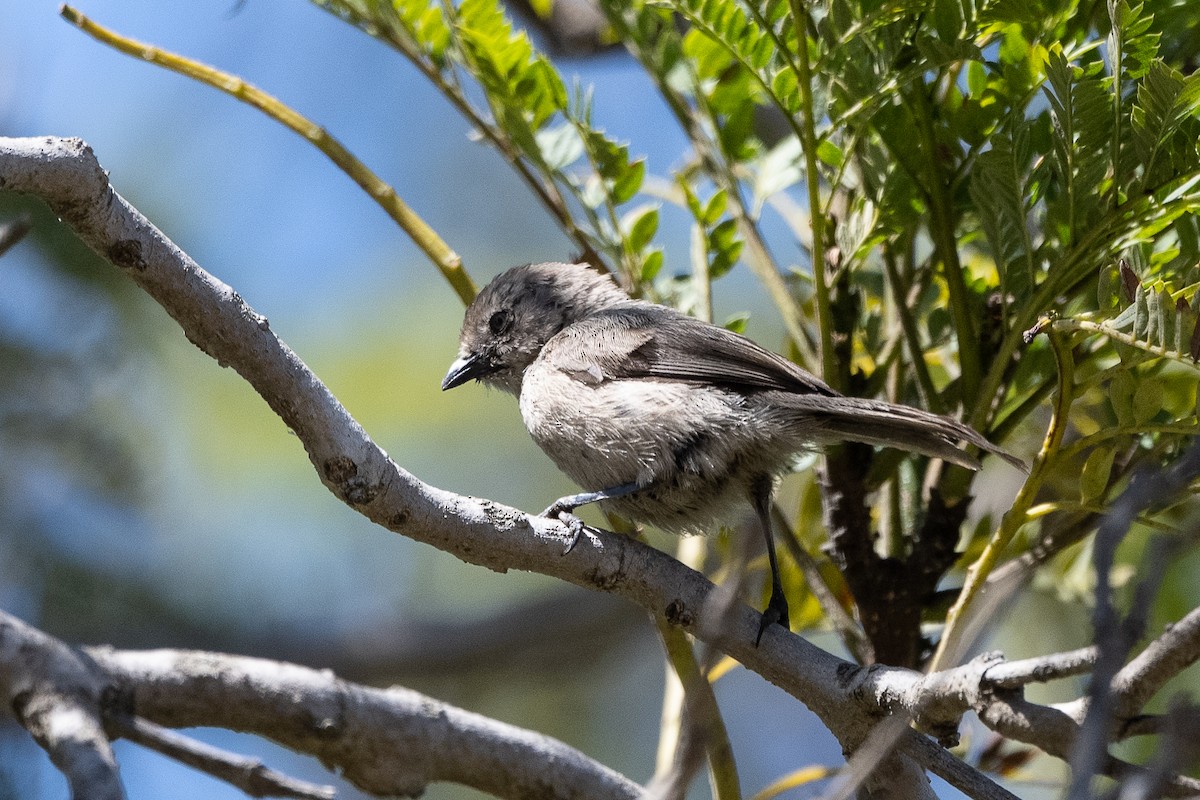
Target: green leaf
x=786 y=89
x=652 y=265
x=1120 y=397
x=1141 y=313
x=777 y=170
x=998 y=188
x=627 y=185
x=1108 y=288
x=1132 y=43
x=737 y=322
x=1081 y=108
x=723 y=236
x=1154 y=314
x=1093 y=480
x=713 y=209
x=641 y=224
x=829 y=153
x=560 y=146
x=948 y=20
x=977 y=78
x=1147 y=400
x=1165 y=100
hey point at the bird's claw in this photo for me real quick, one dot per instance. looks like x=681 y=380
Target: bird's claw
x=575 y=526
x=775 y=612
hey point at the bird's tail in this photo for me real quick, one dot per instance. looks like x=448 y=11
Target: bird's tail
x=884 y=424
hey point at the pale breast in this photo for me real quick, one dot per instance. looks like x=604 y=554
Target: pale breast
x=687 y=444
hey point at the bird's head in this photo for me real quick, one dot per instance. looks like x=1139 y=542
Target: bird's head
x=514 y=316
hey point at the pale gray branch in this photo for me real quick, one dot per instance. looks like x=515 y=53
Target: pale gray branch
x=1014 y=674
x=1164 y=658
x=993 y=689
x=386 y=741
x=248 y=774
x=66 y=175
x=55 y=694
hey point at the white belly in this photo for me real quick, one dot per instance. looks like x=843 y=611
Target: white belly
x=613 y=433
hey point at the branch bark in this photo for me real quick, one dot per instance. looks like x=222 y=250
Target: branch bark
x=387 y=742
x=248 y=774
x=55 y=695
x=67 y=176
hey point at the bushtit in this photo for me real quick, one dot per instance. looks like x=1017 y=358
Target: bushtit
x=663 y=418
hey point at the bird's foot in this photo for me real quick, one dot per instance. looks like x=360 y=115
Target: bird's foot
x=575 y=526
x=775 y=612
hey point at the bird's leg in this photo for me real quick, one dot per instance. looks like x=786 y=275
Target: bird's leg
x=777 y=607
x=561 y=508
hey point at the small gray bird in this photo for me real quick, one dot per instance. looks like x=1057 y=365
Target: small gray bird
x=663 y=418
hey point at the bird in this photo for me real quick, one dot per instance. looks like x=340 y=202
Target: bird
x=663 y=418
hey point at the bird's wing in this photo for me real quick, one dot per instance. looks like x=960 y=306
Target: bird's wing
x=646 y=341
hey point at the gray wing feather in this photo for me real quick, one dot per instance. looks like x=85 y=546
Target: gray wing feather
x=646 y=341
x=640 y=341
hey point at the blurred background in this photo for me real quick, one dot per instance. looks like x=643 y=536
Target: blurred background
x=148 y=498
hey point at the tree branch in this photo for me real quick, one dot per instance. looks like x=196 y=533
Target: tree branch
x=55 y=694
x=1163 y=659
x=65 y=173
x=248 y=774
x=1014 y=674
x=385 y=741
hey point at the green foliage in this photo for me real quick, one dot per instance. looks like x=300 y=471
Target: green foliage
x=1080 y=106
x=987 y=150
x=527 y=113
x=969 y=168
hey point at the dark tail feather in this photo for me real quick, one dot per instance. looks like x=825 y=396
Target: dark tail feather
x=879 y=423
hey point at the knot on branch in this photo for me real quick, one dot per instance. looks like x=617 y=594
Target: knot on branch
x=935 y=702
x=127 y=254
x=342 y=473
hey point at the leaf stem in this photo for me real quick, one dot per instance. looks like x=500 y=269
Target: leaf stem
x=1129 y=340
x=702 y=711
x=942 y=230
x=977 y=574
x=808 y=138
x=908 y=325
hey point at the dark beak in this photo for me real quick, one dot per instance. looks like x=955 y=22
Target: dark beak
x=464 y=369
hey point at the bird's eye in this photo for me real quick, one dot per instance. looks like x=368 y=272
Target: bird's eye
x=499 y=322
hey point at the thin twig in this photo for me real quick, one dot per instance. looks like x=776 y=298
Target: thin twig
x=425 y=237
x=702 y=730
x=829 y=367
x=1165 y=657
x=1113 y=638
x=447 y=83
x=977 y=573
x=691 y=720
x=242 y=772
x=1015 y=674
